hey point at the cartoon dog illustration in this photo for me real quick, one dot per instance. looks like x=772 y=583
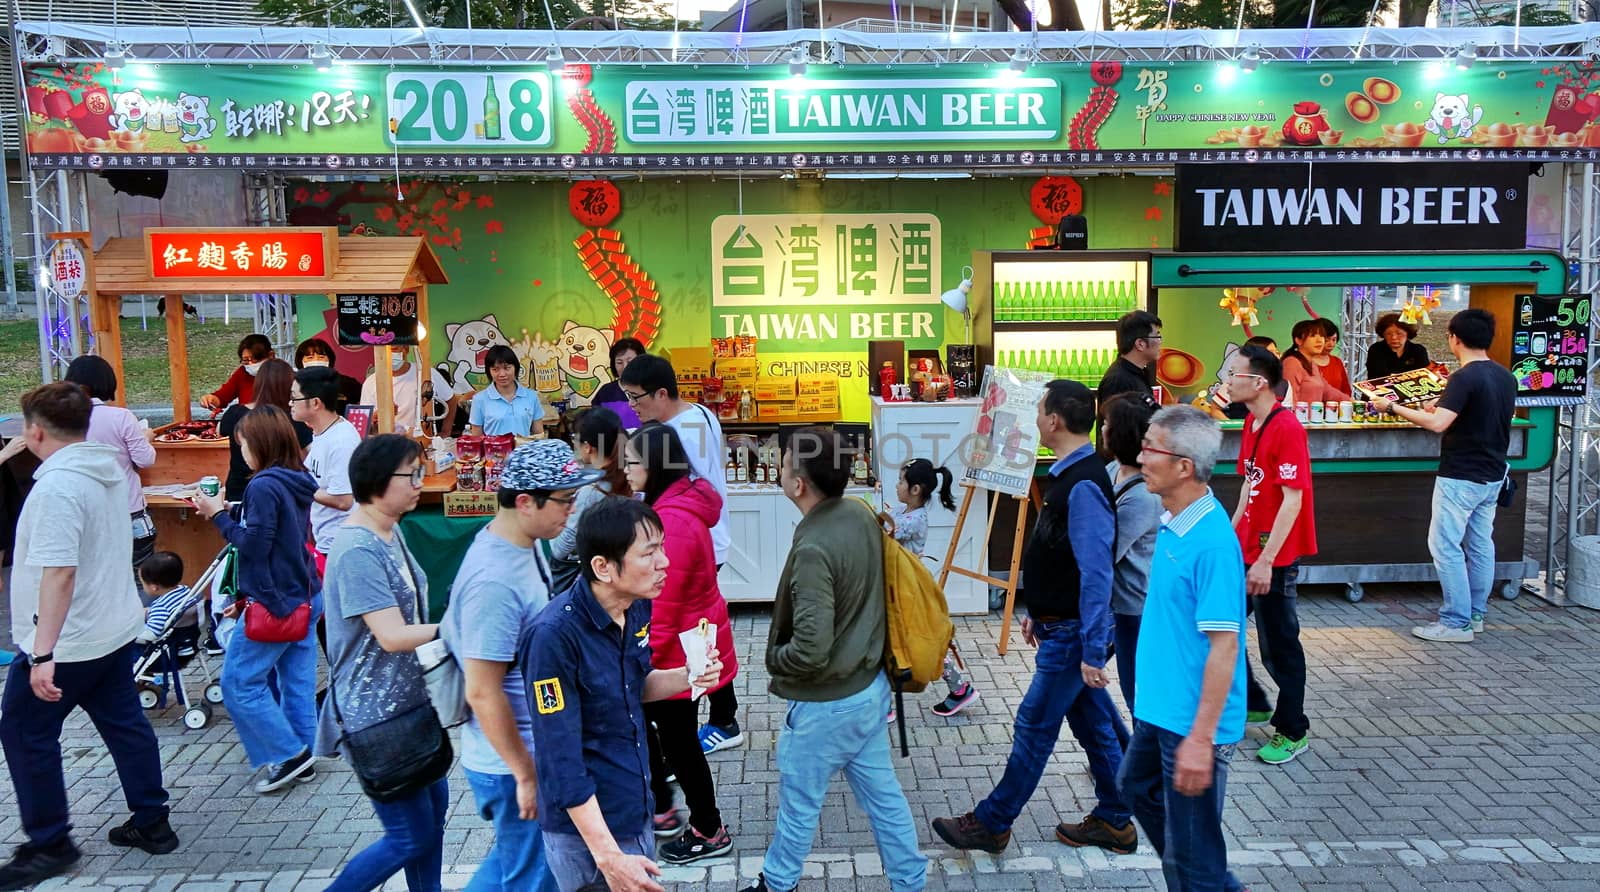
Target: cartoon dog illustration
x=469 y=345
x=585 y=360
x=130 y=112
x=194 y=117
x=1450 y=118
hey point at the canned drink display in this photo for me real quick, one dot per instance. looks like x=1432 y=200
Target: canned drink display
x=1316 y=411
x=1330 y=414
x=1302 y=411
x=210 y=485
x=1347 y=412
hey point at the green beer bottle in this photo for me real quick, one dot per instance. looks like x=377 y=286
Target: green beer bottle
x=491 y=110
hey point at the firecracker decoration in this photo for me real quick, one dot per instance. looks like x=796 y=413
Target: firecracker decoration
x=635 y=297
x=594 y=121
x=1097 y=108
x=1416 y=308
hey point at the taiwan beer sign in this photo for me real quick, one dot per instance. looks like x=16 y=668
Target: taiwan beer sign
x=1550 y=348
x=243 y=253
x=1351 y=207
x=377 y=320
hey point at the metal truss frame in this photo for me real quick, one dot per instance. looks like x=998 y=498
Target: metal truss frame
x=274 y=313
x=59 y=203
x=39 y=41
x=1574 y=508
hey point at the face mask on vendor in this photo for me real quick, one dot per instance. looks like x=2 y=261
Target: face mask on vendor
x=251 y=368
x=315 y=362
x=396 y=361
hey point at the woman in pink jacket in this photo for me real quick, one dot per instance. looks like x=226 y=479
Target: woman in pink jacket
x=119 y=428
x=659 y=469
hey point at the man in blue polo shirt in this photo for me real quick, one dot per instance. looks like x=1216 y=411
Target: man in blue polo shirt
x=588 y=674
x=1189 y=673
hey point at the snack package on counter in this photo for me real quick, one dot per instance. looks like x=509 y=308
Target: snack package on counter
x=469 y=464
x=440 y=456
x=495 y=452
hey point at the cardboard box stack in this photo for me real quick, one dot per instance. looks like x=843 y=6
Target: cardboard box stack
x=818 y=395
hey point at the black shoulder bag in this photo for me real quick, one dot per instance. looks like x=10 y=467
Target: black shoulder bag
x=402 y=754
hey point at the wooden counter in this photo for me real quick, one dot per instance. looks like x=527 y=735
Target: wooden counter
x=179 y=528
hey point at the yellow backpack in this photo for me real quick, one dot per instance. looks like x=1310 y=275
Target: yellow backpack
x=919 y=627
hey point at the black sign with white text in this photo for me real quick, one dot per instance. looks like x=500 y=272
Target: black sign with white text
x=1351 y=207
x=377 y=320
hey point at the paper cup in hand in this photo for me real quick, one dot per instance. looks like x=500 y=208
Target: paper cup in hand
x=695 y=643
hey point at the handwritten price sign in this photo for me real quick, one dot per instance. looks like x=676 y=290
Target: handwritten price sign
x=378 y=320
x=1550 y=336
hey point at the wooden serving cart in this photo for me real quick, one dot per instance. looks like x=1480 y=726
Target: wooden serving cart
x=304 y=260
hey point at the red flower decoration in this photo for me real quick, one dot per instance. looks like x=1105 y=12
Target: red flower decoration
x=485 y=202
x=494 y=227
x=383 y=212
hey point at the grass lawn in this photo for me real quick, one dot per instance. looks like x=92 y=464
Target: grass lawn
x=212 y=357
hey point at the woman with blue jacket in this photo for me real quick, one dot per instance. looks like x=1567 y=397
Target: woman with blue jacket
x=275 y=572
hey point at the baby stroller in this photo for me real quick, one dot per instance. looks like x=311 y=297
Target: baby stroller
x=160 y=666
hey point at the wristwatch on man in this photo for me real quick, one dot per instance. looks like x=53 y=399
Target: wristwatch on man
x=41 y=659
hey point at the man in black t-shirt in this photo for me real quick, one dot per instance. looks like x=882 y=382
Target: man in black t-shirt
x=1138 y=347
x=1474 y=415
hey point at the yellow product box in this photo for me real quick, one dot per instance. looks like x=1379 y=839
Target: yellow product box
x=741 y=370
x=691 y=363
x=817 y=405
x=819 y=385
x=768 y=411
x=690 y=392
x=470 y=504
x=778 y=388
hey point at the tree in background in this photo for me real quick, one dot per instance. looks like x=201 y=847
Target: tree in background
x=643 y=15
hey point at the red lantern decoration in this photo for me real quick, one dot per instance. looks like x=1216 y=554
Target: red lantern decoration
x=1052 y=198
x=594 y=202
x=1106 y=72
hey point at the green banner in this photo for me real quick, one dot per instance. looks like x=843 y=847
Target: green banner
x=812 y=270
x=619 y=117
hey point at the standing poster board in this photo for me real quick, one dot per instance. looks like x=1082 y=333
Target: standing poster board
x=1411 y=388
x=1550 y=348
x=1004 y=448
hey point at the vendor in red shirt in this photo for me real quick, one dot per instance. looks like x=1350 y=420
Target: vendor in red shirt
x=1277 y=528
x=254 y=349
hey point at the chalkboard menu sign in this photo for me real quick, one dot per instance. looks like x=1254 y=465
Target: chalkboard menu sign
x=1550 y=348
x=378 y=320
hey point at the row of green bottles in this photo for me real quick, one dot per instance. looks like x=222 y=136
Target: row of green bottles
x=1075 y=365
x=1063 y=301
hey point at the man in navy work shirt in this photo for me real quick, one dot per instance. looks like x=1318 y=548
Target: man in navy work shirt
x=1066 y=574
x=588 y=672
x=1189 y=697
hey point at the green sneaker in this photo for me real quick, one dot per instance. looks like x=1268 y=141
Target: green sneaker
x=1477 y=623
x=1252 y=719
x=1282 y=749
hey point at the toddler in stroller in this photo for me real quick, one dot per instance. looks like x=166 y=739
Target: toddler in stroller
x=174 y=623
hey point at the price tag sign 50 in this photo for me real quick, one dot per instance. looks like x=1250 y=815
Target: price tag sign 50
x=477 y=109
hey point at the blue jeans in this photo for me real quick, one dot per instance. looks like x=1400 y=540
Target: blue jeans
x=818 y=740
x=1461 y=539
x=1127 y=637
x=1058 y=692
x=273 y=729
x=574 y=867
x=1186 y=831
x=413 y=841
x=516 y=861
x=30 y=730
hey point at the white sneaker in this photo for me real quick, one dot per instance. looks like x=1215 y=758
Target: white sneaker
x=1437 y=631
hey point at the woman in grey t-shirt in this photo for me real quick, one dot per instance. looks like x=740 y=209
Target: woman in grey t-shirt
x=376 y=600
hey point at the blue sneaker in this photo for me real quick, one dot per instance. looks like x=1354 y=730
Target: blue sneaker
x=716 y=737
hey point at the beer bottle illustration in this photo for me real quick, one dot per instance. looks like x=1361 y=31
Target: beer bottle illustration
x=1527 y=311
x=491 y=110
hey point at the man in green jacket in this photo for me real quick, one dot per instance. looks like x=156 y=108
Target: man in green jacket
x=825 y=656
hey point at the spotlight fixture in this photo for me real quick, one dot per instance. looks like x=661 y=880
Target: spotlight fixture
x=1467 y=56
x=321 y=58
x=798 y=61
x=555 y=61
x=1249 y=60
x=1019 y=62
x=116 y=56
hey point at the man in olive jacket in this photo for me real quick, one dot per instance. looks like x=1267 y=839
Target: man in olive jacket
x=825 y=655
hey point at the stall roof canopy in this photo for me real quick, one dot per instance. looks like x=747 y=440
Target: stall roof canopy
x=366 y=264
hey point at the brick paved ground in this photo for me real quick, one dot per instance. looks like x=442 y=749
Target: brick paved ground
x=1460 y=767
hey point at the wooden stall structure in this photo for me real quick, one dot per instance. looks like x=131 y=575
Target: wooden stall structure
x=177 y=262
